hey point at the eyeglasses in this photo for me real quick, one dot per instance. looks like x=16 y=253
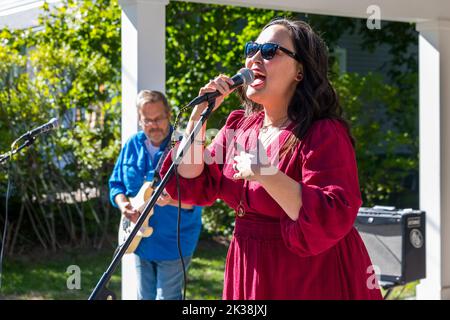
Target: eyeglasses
x=157 y=121
x=268 y=50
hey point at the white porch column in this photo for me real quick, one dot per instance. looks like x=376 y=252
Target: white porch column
x=434 y=97
x=143 y=67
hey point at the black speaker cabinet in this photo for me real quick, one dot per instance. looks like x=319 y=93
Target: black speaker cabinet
x=395 y=240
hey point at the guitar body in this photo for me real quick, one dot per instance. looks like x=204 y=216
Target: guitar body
x=126 y=225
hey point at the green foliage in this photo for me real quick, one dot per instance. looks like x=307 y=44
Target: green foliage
x=218 y=220
x=386 y=147
x=204 y=40
x=68 y=68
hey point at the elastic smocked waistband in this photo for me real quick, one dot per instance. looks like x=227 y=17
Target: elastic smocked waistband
x=257 y=227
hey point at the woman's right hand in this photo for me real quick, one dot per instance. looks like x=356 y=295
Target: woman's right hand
x=222 y=84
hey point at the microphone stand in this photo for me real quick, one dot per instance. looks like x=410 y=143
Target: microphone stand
x=100 y=292
x=28 y=142
x=30 y=137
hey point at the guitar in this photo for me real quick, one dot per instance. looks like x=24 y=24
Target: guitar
x=138 y=202
x=126 y=225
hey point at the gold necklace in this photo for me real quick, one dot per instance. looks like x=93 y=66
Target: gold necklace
x=266 y=127
x=267 y=136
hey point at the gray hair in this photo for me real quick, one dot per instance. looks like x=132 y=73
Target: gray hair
x=151 y=96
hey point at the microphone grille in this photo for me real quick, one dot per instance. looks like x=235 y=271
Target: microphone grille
x=54 y=123
x=247 y=75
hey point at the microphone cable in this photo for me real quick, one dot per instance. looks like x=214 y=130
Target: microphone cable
x=5 y=226
x=28 y=141
x=180 y=254
x=177 y=178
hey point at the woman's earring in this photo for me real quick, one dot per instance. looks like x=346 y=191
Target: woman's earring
x=299 y=76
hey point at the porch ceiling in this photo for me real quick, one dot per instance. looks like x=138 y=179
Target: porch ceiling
x=395 y=10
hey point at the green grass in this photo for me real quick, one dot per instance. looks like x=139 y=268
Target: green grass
x=43 y=276
x=205 y=277
x=407 y=291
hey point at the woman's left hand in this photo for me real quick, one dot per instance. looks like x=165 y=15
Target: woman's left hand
x=251 y=166
x=244 y=167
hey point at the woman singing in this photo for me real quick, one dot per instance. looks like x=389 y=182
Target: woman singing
x=287 y=165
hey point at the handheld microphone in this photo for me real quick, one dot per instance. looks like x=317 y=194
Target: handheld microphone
x=245 y=76
x=51 y=125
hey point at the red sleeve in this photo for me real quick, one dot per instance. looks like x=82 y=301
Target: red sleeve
x=204 y=189
x=329 y=190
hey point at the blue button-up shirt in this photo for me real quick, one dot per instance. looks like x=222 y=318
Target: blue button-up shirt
x=132 y=168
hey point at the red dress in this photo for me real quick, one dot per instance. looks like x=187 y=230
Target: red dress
x=319 y=256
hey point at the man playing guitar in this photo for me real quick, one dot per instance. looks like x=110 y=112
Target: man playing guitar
x=158 y=266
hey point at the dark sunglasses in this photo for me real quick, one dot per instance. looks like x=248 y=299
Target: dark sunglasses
x=268 y=50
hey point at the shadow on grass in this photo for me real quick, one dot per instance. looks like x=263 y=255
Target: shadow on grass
x=205 y=276
x=44 y=275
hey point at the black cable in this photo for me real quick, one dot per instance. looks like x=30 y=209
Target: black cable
x=178 y=233
x=177 y=118
x=180 y=254
x=5 y=227
x=8 y=156
x=388 y=293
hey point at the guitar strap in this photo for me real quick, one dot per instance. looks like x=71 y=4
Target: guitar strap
x=156 y=176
